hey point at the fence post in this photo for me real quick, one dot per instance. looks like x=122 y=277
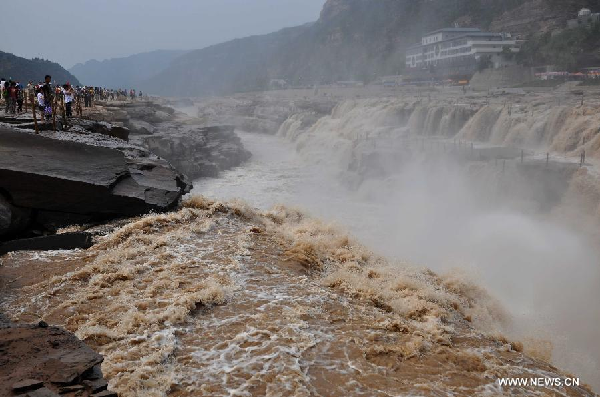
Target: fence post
x=53 y=108
x=35 y=124
x=522 y=155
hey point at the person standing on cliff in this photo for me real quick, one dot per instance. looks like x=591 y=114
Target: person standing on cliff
x=6 y=96
x=2 y=86
x=12 y=97
x=48 y=94
x=30 y=90
x=20 y=97
x=87 y=97
x=68 y=92
x=40 y=99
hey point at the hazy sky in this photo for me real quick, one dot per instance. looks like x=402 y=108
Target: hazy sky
x=72 y=31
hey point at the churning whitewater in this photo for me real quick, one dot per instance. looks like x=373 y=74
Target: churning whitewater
x=393 y=174
x=221 y=299
x=305 y=271
x=378 y=198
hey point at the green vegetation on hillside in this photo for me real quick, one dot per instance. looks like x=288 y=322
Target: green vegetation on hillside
x=24 y=70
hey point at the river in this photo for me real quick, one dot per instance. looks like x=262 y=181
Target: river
x=531 y=264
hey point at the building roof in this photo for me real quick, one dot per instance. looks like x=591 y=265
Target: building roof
x=470 y=33
x=477 y=34
x=453 y=30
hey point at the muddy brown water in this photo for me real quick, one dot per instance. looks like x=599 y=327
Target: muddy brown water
x=221 y=300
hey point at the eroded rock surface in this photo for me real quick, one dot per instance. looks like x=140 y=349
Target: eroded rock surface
x=55 y=179
x=37 y=360
x=195 y=147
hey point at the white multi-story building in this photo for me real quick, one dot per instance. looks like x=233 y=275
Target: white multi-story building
x=458 y=50
x=585 y=17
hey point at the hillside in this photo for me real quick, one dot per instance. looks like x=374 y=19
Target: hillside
x=24 y=70
x=352 y=40
x=238 y=65
x=124 y=72
x=569 y=50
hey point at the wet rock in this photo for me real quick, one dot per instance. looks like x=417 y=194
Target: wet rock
x=65 y=241
x=27 y=384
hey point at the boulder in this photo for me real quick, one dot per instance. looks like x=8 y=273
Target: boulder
x=65 y=178
x=104 y=128
x=64 y=241
x=41 y=361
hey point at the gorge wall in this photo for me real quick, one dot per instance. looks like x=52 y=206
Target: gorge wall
x=352 y=40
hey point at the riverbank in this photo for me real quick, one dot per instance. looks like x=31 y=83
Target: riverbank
x=105 y=166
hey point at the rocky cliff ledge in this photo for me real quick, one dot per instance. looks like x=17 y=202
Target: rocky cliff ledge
x=42 y=361
x=194 y=147
x=50 y=180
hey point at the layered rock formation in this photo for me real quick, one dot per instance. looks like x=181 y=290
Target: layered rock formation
x=188 y=143
x=51 y=180
x=43 y=361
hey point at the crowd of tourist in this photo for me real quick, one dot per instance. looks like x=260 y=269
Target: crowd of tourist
x=47 y=97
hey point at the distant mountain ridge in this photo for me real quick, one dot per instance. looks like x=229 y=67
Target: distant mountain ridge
x=126 y=72
x=24 y=70
x=352 y=40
